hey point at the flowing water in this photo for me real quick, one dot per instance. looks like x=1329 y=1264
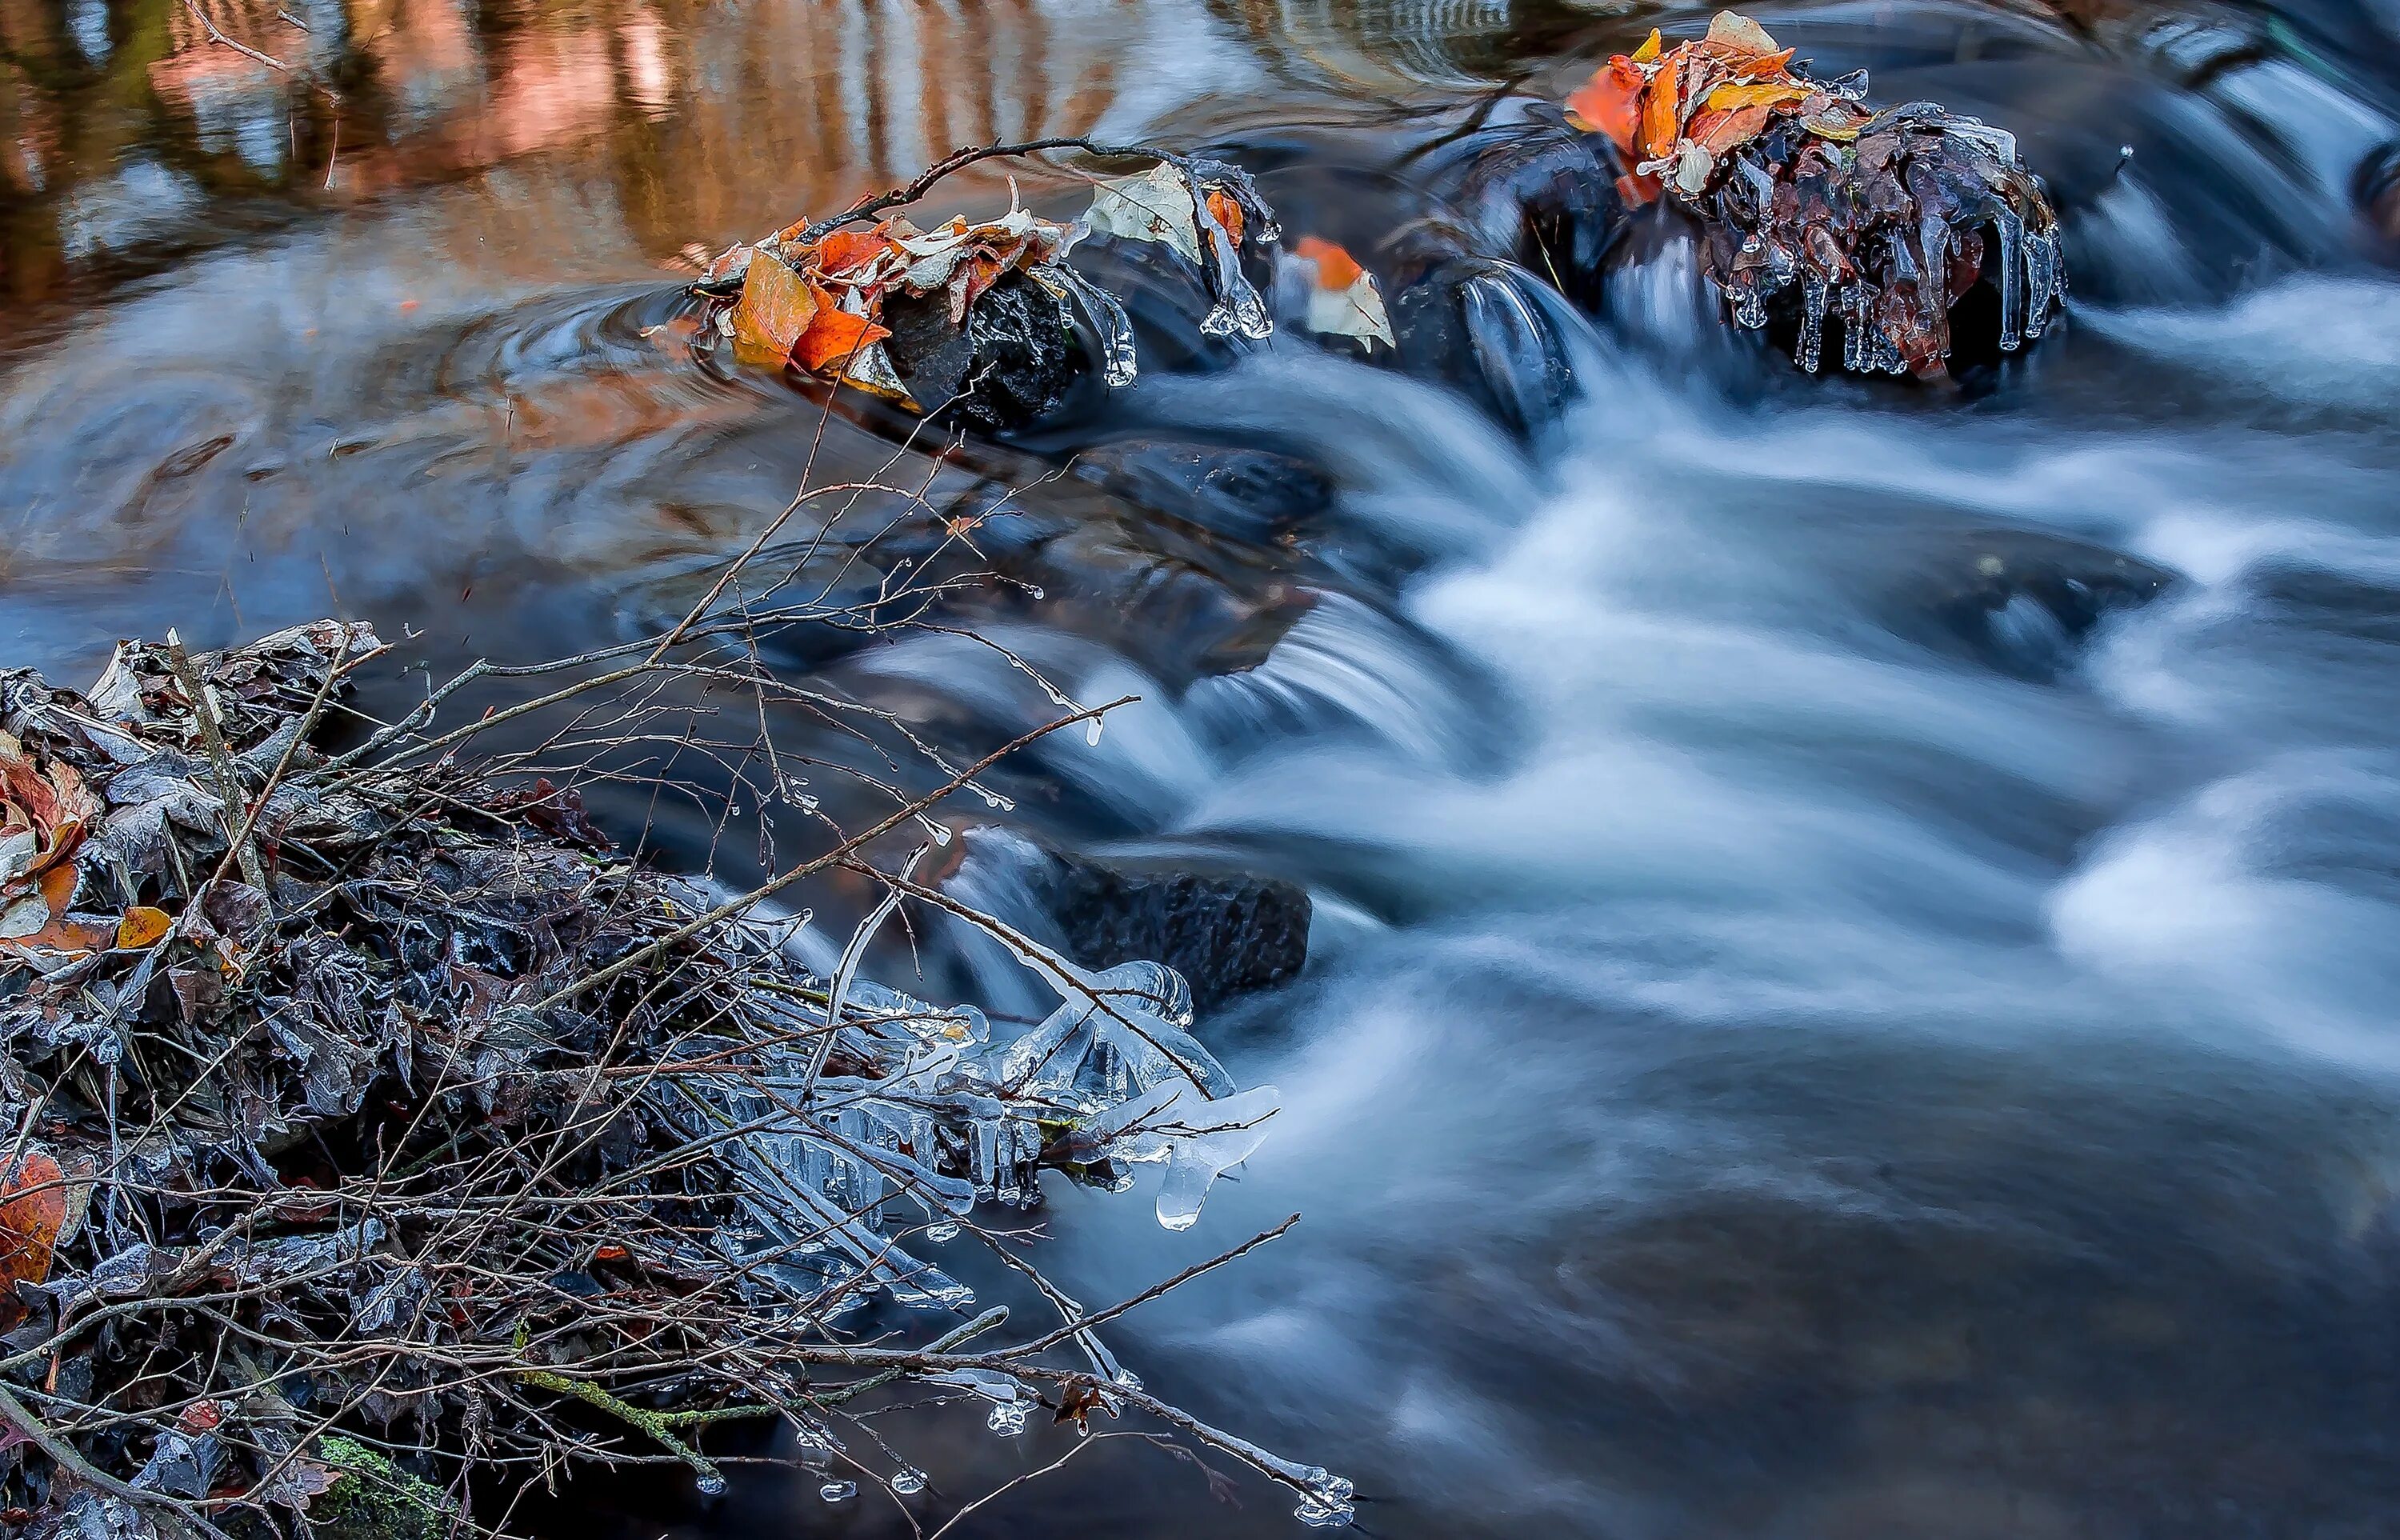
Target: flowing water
x=1803 y=1039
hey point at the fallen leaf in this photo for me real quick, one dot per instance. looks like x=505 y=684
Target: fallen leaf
x=143 y=927
x=1740 y=31
x=1661 y=121
x=833 y=335
x=1153 y=205
x=1610 y=102
x=1648 y=52
x=32 y=1210
x=1762 y=93
x=1345 y=301
x=1336 y=268
x=1731 y=131
x=841 y=250
x=777 y=307
x=1226 y=211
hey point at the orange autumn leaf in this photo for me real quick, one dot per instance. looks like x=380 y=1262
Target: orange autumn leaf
x=32 y=1211
x=1728 y=130
x=843 y=249
x=143 y=927
x=1335 y=268
x=1610 y=102
x=834 y=335
x=1661 y=116
x=777 y=306
x=1225 y=211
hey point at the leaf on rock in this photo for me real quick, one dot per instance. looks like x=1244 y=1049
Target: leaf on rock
x=1153 y=205
x=1730 y=130
x=1884 y=238
x=777 y=307
x=833 y=335
x=1737 y=32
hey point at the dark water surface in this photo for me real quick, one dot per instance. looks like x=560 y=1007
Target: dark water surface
x=1799 y=1043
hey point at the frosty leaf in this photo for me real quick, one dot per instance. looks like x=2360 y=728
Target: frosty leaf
x=1343 y=301
x=143 y=926
x=32 y=1210
x=1155 y=205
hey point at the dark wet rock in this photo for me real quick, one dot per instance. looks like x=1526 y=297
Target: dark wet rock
x=1253 y=495
x=2376 y=188
x=2019 y=600
x=1489 y=331
x=1540 y=194
x=1012 y=364
x=1227 y=932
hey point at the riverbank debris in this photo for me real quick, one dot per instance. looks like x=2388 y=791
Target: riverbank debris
x=1813 y=203
x=463 y=1147
x=824 y=296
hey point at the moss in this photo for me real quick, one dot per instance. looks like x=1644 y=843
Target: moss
x=372 y=1499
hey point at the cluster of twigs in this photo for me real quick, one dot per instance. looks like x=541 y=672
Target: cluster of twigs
x=381 y=1137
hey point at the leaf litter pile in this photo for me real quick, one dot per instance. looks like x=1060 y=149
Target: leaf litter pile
x=1875 y=216
x=369 y=1117
x=991 y=317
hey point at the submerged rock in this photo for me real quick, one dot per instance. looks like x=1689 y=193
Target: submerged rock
x=2018 y=600
x=1227 y=932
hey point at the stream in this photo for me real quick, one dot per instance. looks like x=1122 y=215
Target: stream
x=1857 y=927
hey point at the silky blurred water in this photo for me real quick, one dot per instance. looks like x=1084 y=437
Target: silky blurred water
x=1798 y=1042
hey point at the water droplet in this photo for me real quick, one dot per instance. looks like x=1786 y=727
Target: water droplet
x=1091 y=733
x=948 y=1229
x=908 y=1483
x=838 y=1492
x=1008 y=1421
x=1324 y=1516
x=710 y=1486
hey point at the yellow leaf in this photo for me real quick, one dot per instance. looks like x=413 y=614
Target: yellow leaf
x=1648 y=52
x=1765 y=93
x=142 y=927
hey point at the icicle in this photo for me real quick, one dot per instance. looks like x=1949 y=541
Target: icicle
x=2011 y=265
x=1107 y=318
x=1812 y=321
x=2042 y=278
